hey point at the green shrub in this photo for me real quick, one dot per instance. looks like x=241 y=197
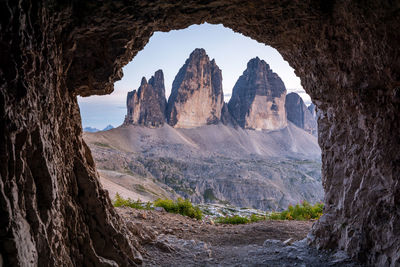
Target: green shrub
x=181 y=206
x=236 y=219
x=121 y=202
x=148 y=206
x=275 y=216
x=257 y=218
x=301 y=212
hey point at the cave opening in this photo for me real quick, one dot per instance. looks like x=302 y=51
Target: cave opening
x=275 y=151
x=345 y=53
x=167 y=51
x=187 y=132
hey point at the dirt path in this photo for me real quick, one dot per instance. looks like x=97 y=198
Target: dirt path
x=175 y=240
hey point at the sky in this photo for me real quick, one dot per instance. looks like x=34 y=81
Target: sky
x=168 y=51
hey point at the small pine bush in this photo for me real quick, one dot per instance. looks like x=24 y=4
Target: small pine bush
x=301 y=212
x=181 y=206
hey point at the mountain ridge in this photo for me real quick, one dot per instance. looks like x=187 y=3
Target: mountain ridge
x=258 y=101
x=93 y=129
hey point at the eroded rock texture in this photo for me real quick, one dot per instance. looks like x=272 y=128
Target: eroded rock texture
x=298 y=113
x=147 y=105
x=196 y=97
x=258 y=98
x=53 y=210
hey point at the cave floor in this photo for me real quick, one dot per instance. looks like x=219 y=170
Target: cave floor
x=174 y=240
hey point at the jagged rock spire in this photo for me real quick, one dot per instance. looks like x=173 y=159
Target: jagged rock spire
x=196 y=98
x=146 y=106
x=258 y=98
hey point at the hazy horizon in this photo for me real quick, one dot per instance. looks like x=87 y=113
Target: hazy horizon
x=168 y=51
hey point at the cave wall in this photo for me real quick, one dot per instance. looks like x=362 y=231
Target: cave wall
x=53 y=209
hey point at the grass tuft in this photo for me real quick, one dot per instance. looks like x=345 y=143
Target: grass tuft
x=122 y=202
x=301 y=212
x=181 y=206
x=236 y=219
x=257 y=218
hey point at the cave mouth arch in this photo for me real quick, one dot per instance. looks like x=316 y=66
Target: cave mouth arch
x=168 y=51
x=345 y=53
x=221 y=46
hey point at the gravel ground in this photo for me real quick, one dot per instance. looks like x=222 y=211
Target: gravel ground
x=175 y=240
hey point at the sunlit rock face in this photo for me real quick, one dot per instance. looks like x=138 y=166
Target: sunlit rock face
x=146 y=106
x=298 y=113
x=196 y=98
x=258 y=98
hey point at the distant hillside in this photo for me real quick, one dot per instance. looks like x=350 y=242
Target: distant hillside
x=248 y=152
x=108 y=127
x=93 y=130
x=90 y=129
x=213 y=163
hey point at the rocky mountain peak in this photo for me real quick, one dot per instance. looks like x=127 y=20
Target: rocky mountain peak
x=258 y=98
x=146 y=106
x=196 y=97
x=157 y=80
x=265 y=80
x=198 y=52
x=299 y=114
x=143 y=82
x=257 y=63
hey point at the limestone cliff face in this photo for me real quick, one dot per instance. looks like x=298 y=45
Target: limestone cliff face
x=196 y=97
x=258 y=98
x=299 y=114
x=147 y=105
